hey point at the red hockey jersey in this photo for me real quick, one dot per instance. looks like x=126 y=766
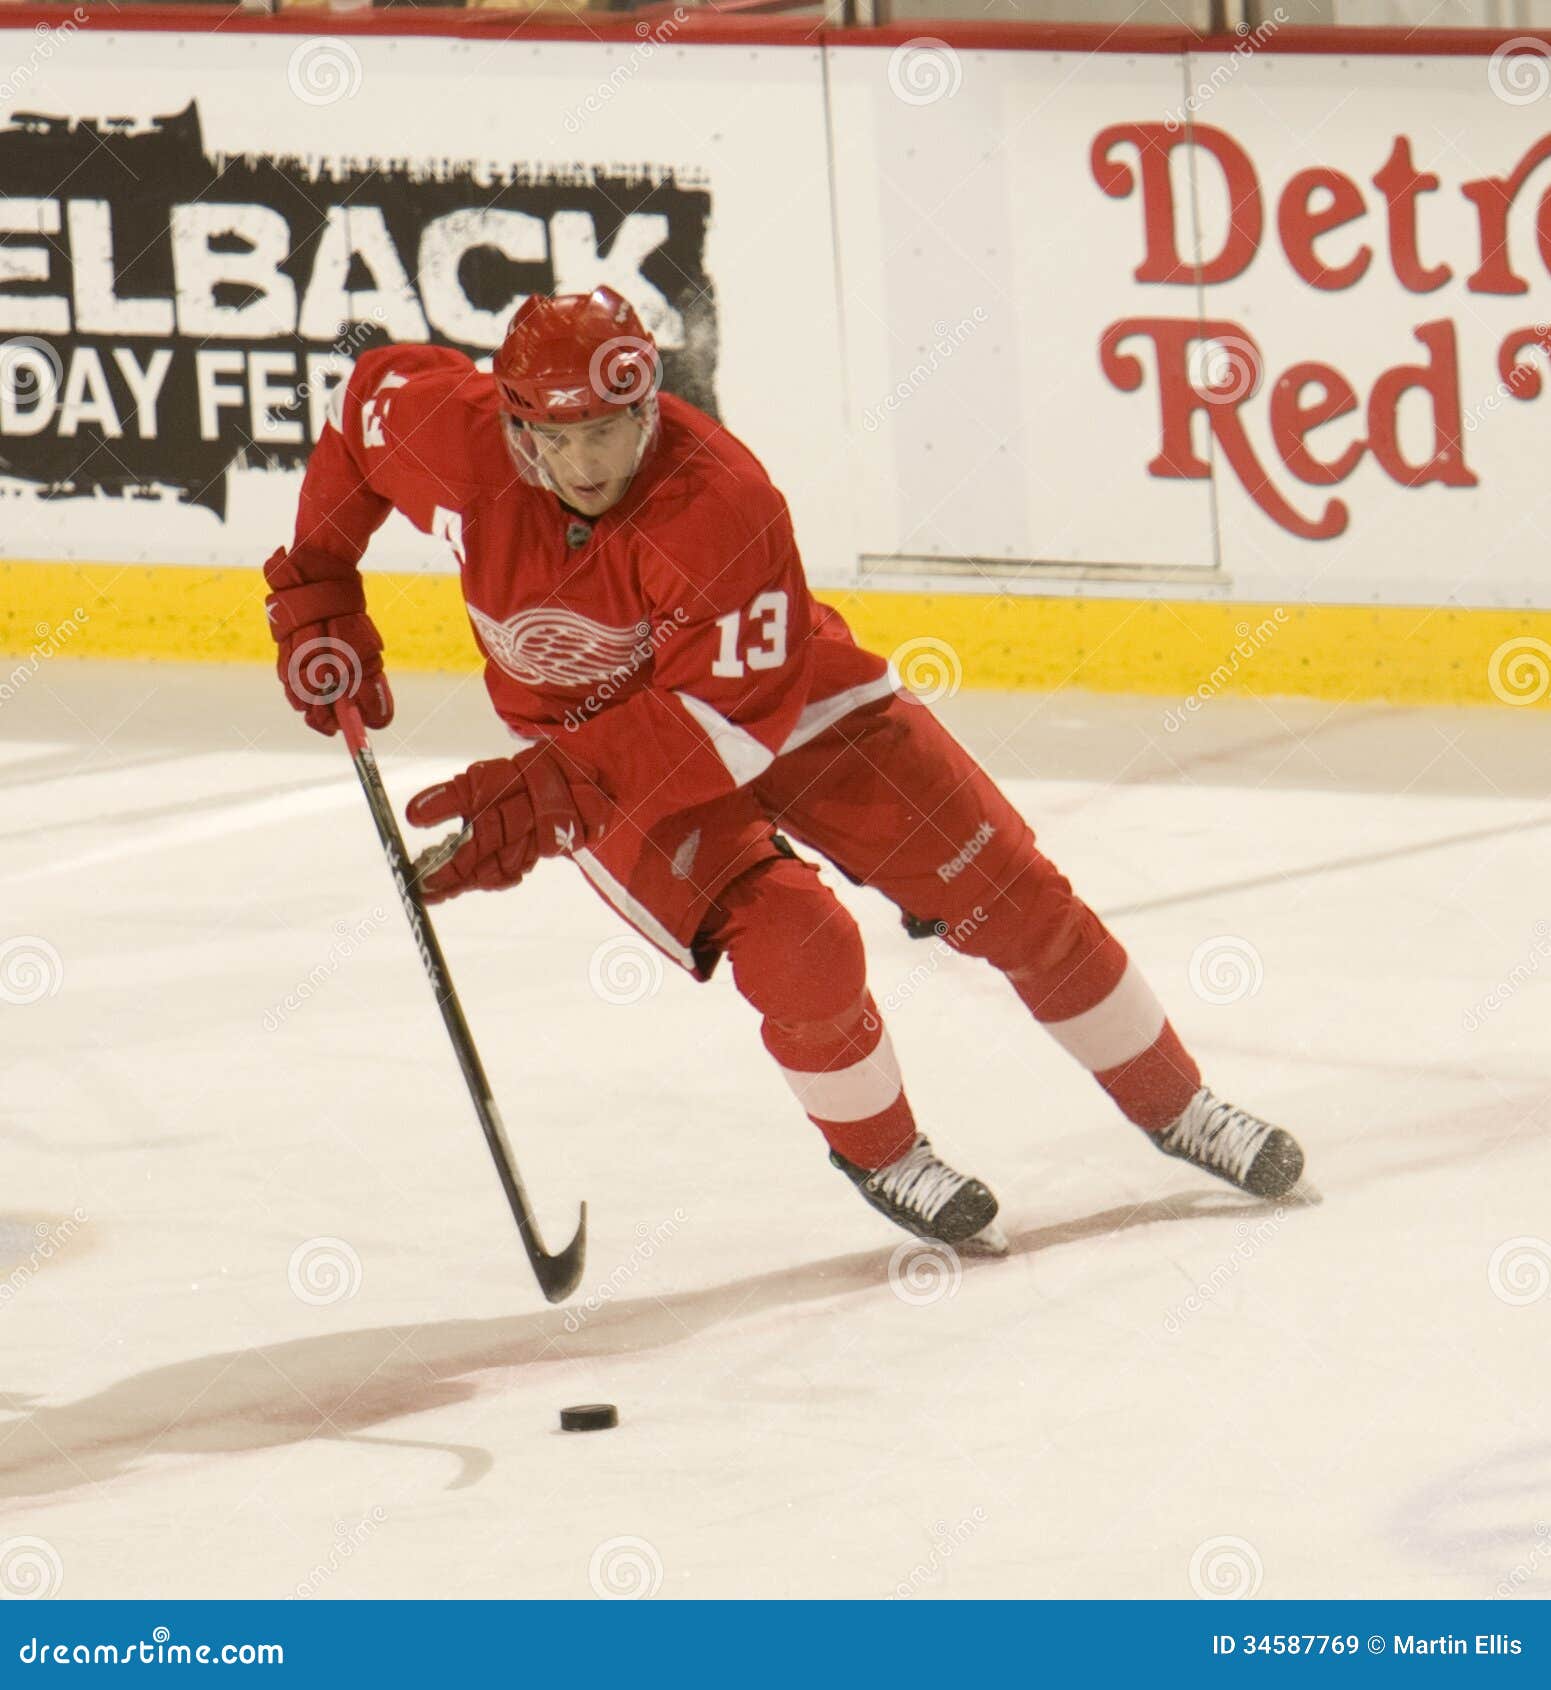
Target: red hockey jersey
x=671 y=644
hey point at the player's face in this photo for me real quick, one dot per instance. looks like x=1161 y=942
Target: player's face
x=590 y=463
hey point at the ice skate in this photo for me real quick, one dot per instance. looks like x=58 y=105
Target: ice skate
x=1235 y=1145
x=921 y=1193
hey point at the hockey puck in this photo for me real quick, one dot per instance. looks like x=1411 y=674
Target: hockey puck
x=589 y=1417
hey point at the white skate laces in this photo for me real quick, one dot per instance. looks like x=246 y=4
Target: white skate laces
x=1218 y=1134
x=917 y=1181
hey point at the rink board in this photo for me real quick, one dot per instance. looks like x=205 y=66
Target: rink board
x=1188 y=650
x=1073 y=352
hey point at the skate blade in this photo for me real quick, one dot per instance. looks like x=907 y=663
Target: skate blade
x=989 y=1241
x=1302 y=1193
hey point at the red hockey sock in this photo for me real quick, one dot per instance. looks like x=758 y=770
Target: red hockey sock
x=1153 y=1088
x=1093 y=1000
x=844 y=1074
x=797 y=957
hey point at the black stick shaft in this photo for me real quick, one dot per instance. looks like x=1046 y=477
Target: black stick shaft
x=558 y=1275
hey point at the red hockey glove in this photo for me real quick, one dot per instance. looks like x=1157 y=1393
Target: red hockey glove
x=520 y=808
x=328 y=644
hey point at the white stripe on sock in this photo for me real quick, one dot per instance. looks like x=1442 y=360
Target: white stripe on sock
x=864 y=1089
x=1117 y=1028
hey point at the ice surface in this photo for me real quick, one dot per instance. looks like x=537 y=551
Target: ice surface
x=1164 y=1385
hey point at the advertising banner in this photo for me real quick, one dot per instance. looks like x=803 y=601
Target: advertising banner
x=198 y=235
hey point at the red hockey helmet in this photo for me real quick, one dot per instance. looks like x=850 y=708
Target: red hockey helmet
x=572 y=357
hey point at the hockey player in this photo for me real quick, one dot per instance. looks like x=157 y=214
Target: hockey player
x=678 y=696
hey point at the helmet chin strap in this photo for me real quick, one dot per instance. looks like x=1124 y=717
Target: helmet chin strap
x=519 y=444
x=649 y=422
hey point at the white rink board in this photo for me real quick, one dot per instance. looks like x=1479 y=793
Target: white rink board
x=1427 y=545
x=975 y=248
x=1008 y=439
x=894 y=281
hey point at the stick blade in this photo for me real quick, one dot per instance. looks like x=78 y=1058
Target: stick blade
x=559 y=1275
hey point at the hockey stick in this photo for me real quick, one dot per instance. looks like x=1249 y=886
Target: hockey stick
x=558 y=1276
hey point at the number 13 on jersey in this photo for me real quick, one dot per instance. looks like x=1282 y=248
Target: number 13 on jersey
x=768 y=615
